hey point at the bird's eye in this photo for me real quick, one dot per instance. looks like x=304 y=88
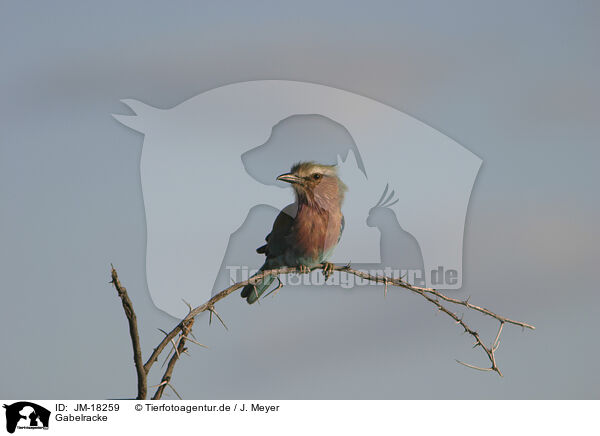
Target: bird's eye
x=317 y=176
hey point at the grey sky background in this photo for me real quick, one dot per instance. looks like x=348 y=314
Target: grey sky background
x=514 y=83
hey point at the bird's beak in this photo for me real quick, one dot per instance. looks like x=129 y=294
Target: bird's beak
x=290 y=178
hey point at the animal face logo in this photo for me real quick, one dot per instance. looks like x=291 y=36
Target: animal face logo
x=208 y=171
x=26 y=415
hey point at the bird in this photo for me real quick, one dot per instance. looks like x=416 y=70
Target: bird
x=306 y=232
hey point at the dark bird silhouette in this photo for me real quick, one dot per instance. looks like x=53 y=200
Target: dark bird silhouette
x=306 y=232
x=398 y=248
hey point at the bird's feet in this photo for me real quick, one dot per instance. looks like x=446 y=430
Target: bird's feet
x=328 y=269
x=303 y=269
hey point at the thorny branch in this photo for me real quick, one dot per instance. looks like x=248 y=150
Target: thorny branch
x=178 y=351
x=133 y=332
x=183 y=329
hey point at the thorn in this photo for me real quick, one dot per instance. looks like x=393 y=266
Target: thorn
x=196 y=342
x=476 y=367
x=274 y=291
x=212 y=310
x=175 y=345
x=171 y=386
x=188 y=305
x=166 y=359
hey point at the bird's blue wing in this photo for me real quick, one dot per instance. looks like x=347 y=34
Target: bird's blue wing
x=277 y=241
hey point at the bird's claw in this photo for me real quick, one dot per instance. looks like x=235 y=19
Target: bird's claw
x=328 y=269
x=303 y=269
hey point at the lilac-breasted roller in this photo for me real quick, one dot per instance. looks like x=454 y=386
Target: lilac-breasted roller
x=307 y=237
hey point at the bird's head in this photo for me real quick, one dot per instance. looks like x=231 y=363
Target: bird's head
x=316 y=183
x=379 y=213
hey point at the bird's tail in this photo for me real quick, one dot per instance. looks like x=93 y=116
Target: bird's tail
x=252 y=292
